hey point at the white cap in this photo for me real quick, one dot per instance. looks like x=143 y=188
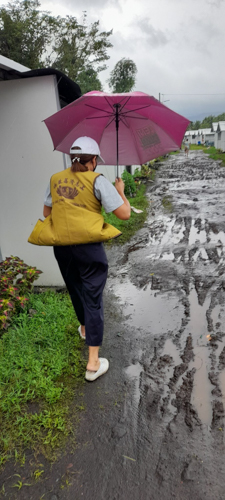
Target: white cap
x=88 y=146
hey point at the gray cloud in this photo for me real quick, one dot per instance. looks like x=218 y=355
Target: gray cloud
x=155 y=37
x=204 y=31
x=215 y=3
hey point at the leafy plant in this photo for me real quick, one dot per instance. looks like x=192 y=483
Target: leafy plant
x=129 y=227
x=16 y=282
x=130 y=186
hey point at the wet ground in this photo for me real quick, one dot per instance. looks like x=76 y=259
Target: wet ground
x=153 y=428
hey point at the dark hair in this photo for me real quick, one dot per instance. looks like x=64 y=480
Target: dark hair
x=80 y=166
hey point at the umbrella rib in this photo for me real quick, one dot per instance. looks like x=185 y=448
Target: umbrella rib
x=120 y=112
x=136 y=109
x=97 y=117
x=136 y=117
x=109 y=103
x=113 y=119
x=123 y=121
x=98 y=109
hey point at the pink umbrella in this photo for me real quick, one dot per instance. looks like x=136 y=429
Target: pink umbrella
x=130 y=128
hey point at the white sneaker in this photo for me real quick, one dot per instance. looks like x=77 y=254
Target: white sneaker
x=103 y=368
x=79 y=330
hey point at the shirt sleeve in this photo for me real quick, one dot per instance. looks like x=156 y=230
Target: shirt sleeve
x=48 y=197
x=107 y=194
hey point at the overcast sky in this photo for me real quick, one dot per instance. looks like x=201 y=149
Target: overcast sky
x=178 y=47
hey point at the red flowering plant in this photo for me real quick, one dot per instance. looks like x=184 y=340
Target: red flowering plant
x=16 y=282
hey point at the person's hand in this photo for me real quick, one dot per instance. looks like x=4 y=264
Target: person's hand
x=119 y=185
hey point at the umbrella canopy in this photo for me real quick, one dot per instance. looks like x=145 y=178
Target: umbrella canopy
x=130 y=128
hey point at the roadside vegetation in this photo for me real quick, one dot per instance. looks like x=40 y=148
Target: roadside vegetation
x=135 y=189
x=41 y=363
x=215 y=154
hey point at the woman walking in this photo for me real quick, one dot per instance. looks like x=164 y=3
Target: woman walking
x=73 y=201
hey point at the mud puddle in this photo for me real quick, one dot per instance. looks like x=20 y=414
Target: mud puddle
x=172 y=293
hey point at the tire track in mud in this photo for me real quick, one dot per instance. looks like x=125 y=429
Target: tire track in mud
x=172 y=287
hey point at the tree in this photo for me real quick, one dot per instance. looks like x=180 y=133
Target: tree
x=123 y=76
x=88 y=80
x=196 y=125
x=25 y=32
x=79 y=48
x=206 y=122
x=35 y=39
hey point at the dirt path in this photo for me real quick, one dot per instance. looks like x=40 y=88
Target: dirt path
x=154 y=425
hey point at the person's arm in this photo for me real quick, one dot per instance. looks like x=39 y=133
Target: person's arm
x=124 y=211
x=47 y=210
x=112 y=198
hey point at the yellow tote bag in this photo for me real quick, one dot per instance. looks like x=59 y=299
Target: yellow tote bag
x=43 y=233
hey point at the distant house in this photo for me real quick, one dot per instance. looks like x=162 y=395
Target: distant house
x=205 y=135
x=27 y=160
x=221 y=136
x=191 y=135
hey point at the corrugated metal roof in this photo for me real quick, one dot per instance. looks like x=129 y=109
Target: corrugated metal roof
x=221 y=127
x=214 y=126
x=204 y=131
x=190 y=132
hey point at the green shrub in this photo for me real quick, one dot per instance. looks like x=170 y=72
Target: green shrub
x=16 y=282
x=130 y=186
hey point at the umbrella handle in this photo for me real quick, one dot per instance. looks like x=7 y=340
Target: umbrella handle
x=117 y=106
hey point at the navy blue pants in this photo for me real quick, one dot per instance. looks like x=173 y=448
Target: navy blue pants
x=84 y=269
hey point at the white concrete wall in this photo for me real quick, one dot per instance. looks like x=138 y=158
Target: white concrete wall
x=219 y=137
x=216 y=140
x=210 y=137
x=27 y=162
x=221 y=145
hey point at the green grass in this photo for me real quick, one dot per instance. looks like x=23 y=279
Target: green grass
x=40 y=365
x=213 y=153
x=174 y=152
x=136 y=221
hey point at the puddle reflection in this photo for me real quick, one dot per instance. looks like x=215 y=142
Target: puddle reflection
x=201 y=395
x=153 y=312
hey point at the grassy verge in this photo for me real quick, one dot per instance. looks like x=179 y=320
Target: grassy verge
x=136 y=221
x=213 y=153
x=40 y=366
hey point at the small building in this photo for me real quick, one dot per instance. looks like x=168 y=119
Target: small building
x=27 y=160
x=221 y=136
x=191 y=135
x=205 y=136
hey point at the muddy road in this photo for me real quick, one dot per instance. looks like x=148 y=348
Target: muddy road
x=153 y=428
